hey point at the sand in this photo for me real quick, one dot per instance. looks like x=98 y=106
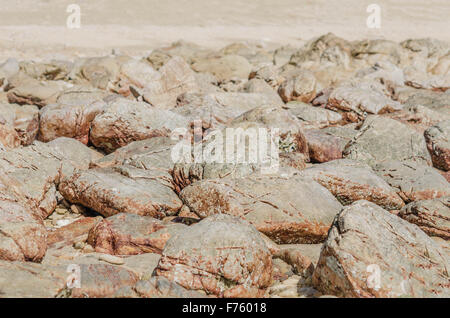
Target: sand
x=37 y=28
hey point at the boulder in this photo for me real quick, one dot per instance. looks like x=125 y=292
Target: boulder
x=286 y=215
x=224 y=67
x=122 y=189
x=71 y=115
x=324 y=147
x=350 y=181
x=438 y=143
x=222 y=255
x=413 y=181
x=381 y=139
x=300 y=88
x=370 y=252
x=131 y=234
x=313 y=117
x=124 y=121
x=24 y=120
x=432 y=216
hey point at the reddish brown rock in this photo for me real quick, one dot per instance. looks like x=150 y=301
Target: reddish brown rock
x=70 y=232
x=324 y=147
x=370 y=252
x=221 y=255
x=122 y=189
x=350 y=181
x=130 y=234
x=279 y=207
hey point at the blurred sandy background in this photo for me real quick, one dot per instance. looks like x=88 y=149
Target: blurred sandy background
x=37 y=28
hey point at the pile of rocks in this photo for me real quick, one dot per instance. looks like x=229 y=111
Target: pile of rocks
x=94 y=205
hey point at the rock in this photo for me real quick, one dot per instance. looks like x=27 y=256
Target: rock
x=372 y=253
x=313 y=117
x=9 y=139
x=381 y=139
x=161 y=287
x=102 y=280
x=54 y=70
x=432 y=216
x=111 y=259
x=130 y=234
x=286 y=215
x=22 y=234
x=438 y=143
x=224 y=67
x=125 y=189
x=24 y=120
x=137 y=74
x=283 y=54
x=71 y=116
x=221 y=255
x=307 y=254
x=359 y=102
x=257 y=85
x=24 y=90
x=350 y=181
x=324 y=147
x=300 y=88
x=413 y=181
x=436 y=101
x=29 y=280
x=100 y=72
x=69 y=233
x=175 y=78
x=419 y=117
x=378 y=50
x=124 y=121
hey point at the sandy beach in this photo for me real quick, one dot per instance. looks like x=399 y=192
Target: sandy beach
x=30 y=28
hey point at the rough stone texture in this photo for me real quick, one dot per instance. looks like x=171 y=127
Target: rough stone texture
x=365 y=238
x=432 y=216
x=216 y=109
x=130 y=234
x=24 y=120
x=382 y=139
x=161 y=287
x=22 y=234
x=24 y=90
x=313 y=117
x=221 y=255
x=175 y=78
x=225 y=67
x=281 y=208
x=300 y=88
x=360 y=102
x=350 y=181
x=419 y=117
x=71 y=116
x=324 y=147
x=438 y=144
x=126 y=189
x=413 y=181
x=68 y=234
x=124 y=121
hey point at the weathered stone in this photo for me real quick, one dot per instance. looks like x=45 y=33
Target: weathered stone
x=360 y=102
x=22 y=234
x=432 y=216
x=23 y=119
x=286 y=215
x=300 y=88
x=24 y=90
x=130 y=234
x=324 y=147
x=69 y=233
x=224 y=67
x=313 y=117
x=381 y=139
x=175 y=78
x=221 y=255
x=372 y=253
x=438 y=144
x=125 y=189
x=413 y=181
x=71 y=116
x=124 y=121
x=350 y=181
x=161 y=287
